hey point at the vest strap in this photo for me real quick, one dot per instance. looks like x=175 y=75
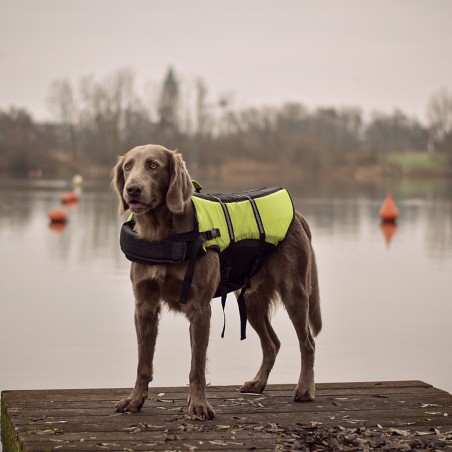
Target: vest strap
x=196 y=247
x=224 y=294
x=242 y=310
x=243 y=314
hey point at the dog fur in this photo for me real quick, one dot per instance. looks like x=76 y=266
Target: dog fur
x=154 y=184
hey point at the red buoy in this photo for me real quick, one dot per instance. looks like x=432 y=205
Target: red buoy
x=389 y=211
x=69 y=198
x=58 y=216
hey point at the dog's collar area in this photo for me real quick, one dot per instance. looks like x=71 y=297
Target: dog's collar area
x=173 y=250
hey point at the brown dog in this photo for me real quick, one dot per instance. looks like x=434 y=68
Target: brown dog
x=154 y=184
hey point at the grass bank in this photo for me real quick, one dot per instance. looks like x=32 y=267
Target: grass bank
x=418 y=163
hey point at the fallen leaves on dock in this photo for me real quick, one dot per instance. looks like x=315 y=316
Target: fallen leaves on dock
x=322 y=438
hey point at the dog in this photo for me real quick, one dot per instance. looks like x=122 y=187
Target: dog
x=154 y=184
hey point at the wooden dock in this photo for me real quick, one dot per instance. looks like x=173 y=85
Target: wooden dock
x=399 y=415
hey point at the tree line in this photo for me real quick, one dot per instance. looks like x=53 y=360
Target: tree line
x=99 y=120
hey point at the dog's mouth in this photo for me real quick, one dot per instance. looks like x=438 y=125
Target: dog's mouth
x=137 y=206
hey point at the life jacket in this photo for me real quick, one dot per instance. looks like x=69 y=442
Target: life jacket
x=244 y=228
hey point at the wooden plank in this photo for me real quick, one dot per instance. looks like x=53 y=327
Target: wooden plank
x=32 y=397
x=181 y=392
x=363 y=415
x=245 y=405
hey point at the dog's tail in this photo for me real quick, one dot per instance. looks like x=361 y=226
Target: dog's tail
x=315 y=316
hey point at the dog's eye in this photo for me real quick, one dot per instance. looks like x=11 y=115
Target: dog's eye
x=127 y=166
x=153 y=165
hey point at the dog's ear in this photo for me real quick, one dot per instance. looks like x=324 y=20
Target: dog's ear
x=118 y=182
x=180 y=188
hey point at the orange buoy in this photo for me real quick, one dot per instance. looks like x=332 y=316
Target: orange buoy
x=389 y=211
x=58 y=216
x=69 y=198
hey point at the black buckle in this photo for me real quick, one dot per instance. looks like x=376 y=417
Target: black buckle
x=212 y=234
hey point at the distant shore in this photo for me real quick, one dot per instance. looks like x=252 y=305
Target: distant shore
x=246 y=172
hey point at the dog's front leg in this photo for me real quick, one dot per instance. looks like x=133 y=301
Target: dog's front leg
x=199 y=338
x=146 y=325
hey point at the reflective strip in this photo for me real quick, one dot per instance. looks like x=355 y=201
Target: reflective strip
x=228 y=218
x=260 y=225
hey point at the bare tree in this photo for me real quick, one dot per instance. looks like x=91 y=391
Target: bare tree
x=62 y=104
x=105 y=106
x=24 y=144
x=439 y=114
x=396 y=132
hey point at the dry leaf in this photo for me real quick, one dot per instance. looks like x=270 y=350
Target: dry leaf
x=316 y=423
x=219 y=443
x=398 y=431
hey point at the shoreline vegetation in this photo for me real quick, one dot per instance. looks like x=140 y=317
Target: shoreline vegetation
x=418 y=174
x=95 y=121
x=421 y=165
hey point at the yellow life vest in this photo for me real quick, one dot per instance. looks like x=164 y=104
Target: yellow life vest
x=264 y=214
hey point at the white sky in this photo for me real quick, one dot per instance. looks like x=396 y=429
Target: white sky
x=377 y=54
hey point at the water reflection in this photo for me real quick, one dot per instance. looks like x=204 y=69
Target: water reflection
x=57 y=227
x=388 y=229
x=93 y=222
x=438 y=226
x=66 y=297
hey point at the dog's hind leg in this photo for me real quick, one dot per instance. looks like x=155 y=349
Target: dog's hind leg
x=297 y=305
x=259 y=318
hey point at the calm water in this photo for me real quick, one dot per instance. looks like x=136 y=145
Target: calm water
x=66 y=312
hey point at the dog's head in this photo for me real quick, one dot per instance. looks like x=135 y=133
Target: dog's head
x=151 y=176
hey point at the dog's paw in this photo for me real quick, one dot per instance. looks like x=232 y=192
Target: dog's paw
x=304 y=393
x=200 y=410
x=130 y=404
x=254 y=386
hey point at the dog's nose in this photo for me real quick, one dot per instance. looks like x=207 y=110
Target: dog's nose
x=134 y=190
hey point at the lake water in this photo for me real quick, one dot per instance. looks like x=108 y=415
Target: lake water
x=66 y=310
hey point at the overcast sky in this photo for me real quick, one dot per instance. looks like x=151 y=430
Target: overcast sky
x=378 y=54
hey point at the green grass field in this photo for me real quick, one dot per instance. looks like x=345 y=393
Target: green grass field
x=416 y=160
